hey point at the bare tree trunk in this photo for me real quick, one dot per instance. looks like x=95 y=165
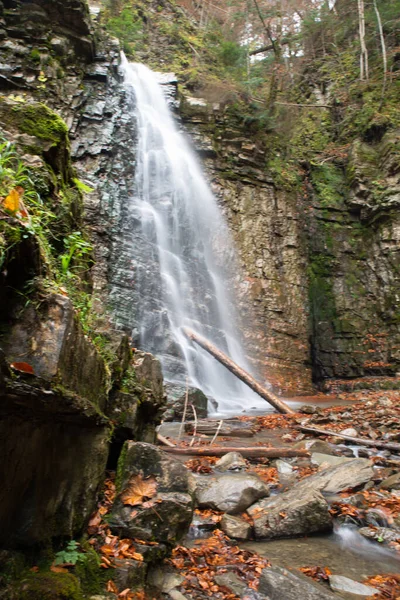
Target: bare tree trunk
x=254 y=452
x=355 y=440
x=384 y=53
x=364 y=69
x=238 y=372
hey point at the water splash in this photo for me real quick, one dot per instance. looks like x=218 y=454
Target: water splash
x=189 y=257
x=349 y=538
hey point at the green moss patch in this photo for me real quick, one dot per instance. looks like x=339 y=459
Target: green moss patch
x=50 y=586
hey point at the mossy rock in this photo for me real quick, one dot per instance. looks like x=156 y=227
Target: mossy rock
x=47 y=130
x=50 y=586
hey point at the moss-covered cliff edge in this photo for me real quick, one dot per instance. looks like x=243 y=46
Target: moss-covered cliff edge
x=71 y=388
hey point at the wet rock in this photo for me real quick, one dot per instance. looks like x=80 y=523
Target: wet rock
x=391 y=483
x=338 y=478
x=52 y=341
x=230 y=493
x=280 y=584
x=168 y=516
x=148 y=372
x=138 y=407
x=176 y=398
x=232 y=582
x=385 y=402
x=204 y=523
x=129 y=573
x=233 y=461
x=339 y=584
x=326 y=460
x=363 y=453
x=308 y=409
x=176 y=595
x=350 y=431
x=164 y=579
x=316 y=446
x=345 y=451
x=58 y=446
x=380 y=534
x=291 y=513
x=283 y=467
x=235 y=527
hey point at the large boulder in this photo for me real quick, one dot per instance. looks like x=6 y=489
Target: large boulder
x=137 y=407
x=280 y=584
x=165 y=514
x=176 y=399
x=55 y=453
x=340 y=477
x=291 y=514
x=51 y=340
x=230 y=493
x=303 y=510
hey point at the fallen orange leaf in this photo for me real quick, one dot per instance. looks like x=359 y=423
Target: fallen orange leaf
x=139 y=490
x=23 y=367
x=58 y=569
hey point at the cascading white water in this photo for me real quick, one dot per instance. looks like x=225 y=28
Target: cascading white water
x=183 y=279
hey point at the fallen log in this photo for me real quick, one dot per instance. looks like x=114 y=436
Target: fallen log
x=250 y=452
x=210 y=428
x=165 y=441
x=349 y=438
x=238 y=372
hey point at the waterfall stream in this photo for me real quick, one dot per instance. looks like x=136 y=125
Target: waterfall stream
x=186 y=276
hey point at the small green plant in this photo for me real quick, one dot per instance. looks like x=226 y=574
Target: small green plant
x=76 y=247
x=71 y=555
x=82 y=187
x=35 y=55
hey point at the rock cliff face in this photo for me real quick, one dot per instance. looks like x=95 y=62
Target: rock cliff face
x=68 y=378
x=269 y=233
x=320 y=267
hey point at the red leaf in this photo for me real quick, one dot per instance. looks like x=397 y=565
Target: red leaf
x=23 y=367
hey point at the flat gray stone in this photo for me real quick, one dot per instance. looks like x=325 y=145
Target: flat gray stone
x=335 y=479
x=339 y=583
x=328 y=459
x=164 y=579
x=391 y=483
x=235 y=527
x=177 y=595
x=280 y=584
x=230 y=493
x=291 y=514
x=232 y=582
x=284 y=468
x=380 y=534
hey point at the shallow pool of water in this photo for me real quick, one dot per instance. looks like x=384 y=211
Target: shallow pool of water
x=344 y=552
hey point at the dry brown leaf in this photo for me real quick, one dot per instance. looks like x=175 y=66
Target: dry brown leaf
x=111 y=587
x=139 y=490
x=58 y=569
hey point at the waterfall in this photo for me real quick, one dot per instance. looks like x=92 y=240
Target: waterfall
x=187 y=263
